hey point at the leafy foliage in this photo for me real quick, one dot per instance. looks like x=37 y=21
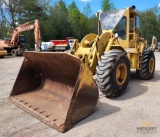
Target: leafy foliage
x=107 y=5
x=59 y=21
x=150 y=24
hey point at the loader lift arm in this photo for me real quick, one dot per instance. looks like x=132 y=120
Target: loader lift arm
x=25 y=27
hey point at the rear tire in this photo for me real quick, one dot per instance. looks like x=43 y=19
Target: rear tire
x=112 y=73
x=148 y=65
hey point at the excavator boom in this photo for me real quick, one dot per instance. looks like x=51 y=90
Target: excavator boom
x=17 y=42
x=25 y=27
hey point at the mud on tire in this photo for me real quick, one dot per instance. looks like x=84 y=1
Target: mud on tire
x=112 y=73
x=148 y=65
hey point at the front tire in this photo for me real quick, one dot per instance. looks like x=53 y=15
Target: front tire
x=112 y=73
x=148 y=65
x=14 y=52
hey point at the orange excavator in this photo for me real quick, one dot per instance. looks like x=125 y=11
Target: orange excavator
x=17 y=42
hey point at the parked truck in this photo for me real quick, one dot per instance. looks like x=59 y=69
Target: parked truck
x=62 y=45
x=57 y=45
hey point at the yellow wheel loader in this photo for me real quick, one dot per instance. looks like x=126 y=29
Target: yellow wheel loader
x=61 y=89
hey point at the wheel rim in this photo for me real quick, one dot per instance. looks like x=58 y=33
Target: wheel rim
x=151 y=65
x=121 y=74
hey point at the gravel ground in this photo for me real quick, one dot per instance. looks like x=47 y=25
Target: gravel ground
x=127 y=115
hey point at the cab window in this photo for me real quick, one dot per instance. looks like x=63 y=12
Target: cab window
x=121 y=28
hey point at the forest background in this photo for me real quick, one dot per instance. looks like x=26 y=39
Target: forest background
x=58 y=20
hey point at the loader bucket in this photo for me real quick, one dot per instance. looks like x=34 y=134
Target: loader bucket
x=56 y=88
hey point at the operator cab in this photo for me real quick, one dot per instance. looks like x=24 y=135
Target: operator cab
x=124 y=22
x=21 y=40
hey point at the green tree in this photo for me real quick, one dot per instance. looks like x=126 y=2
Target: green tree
x=57 y=25
x=91 y=21
x=75 y=19
x=87 y=11
x=8 y=11
x=150 y=26
x=29 y=11
x=57 y=21
x=107 y=5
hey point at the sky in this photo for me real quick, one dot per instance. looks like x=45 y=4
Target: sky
x=141 y=5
